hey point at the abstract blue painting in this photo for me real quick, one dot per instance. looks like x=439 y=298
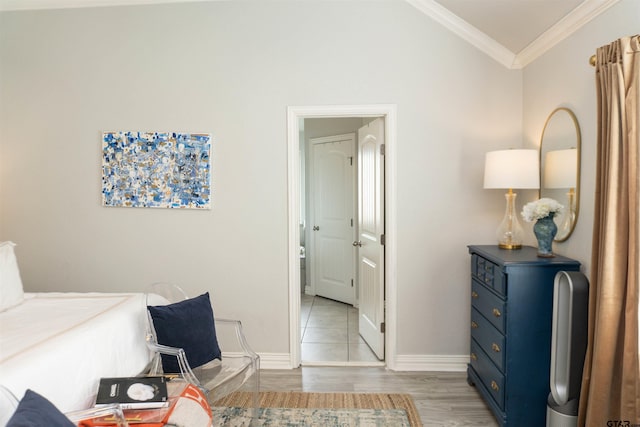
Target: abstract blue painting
x=156 y=170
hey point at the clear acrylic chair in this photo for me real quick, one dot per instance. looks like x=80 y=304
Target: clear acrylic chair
x=113 y=412
x=240 y=365
x=9 y=403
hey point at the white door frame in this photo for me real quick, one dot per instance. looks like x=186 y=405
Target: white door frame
x=294 y=114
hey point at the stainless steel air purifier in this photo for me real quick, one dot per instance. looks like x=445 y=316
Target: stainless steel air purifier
x=568 y=347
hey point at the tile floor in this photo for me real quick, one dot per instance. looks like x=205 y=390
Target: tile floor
x=330 y=333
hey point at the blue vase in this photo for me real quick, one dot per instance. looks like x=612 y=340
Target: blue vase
x=545 y=230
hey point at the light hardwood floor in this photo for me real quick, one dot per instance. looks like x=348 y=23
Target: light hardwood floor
x=442 y=398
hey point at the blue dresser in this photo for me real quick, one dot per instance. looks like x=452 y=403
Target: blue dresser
x=511 y=316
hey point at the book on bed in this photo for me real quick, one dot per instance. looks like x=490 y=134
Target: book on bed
x=133 y=392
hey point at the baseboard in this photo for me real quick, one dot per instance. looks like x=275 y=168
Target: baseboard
x=406 y=362
x=275 y=361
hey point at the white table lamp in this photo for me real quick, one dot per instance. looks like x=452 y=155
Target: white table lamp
x=509 y=169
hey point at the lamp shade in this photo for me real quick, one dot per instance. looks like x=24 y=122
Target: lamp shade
x=560 y=168
x=512 y=169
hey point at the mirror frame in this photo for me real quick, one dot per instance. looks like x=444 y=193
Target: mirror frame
x=578 y=146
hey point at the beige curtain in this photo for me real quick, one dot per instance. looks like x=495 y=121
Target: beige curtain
x=611 y=378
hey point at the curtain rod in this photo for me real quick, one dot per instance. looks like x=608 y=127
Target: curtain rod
x=592 y=60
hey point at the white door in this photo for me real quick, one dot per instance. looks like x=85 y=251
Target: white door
x=370 y=241
x=333 y=208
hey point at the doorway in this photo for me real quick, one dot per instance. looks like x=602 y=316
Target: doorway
x=342 y=307
x=296 y=127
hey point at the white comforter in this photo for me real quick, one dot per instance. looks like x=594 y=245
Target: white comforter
x=61 y=344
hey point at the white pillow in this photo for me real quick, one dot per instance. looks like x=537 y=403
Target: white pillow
x=11 y=292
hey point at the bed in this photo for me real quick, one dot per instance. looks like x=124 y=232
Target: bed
x=61 y=344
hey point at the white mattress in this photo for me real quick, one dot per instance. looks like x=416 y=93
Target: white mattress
x=61 y=344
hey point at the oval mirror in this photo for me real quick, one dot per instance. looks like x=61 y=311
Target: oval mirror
x=560 y=167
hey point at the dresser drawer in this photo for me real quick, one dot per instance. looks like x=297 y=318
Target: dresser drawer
x=489 y=305
x=489 y=339
x=490 y=376
x=488 y=273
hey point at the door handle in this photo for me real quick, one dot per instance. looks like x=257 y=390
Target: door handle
x=316 y=228
x=357 y=243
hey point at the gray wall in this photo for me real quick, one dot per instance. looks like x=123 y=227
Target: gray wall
x=231 y=69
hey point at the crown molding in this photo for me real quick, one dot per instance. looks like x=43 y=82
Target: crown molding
x=558 y=32
x=465 y=30
x=9 y=5
x=561 y=30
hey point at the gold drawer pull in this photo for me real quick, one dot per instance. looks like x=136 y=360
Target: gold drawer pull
x=494 y=385
x=495 y=347
x=496 y=312
x=474 y=325
x=487 y=280
x=474 y=294
x=473 y=356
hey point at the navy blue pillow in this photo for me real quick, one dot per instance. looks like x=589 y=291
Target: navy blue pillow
x=36 y=411
x=188 y=325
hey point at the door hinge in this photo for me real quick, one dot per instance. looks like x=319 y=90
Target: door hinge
x=382 y=240
x=382 y=327
x=350 y=161
x=352 y=222
x=382 y=149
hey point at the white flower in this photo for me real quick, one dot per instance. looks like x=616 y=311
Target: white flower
x=533 y=211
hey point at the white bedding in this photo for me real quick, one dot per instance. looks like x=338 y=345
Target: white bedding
x=61 y=344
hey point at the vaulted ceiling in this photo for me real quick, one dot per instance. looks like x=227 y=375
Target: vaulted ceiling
x=513 y=32
x=513 y=23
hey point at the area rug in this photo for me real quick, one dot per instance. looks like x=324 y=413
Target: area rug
x=300 y=417
x=355 y=409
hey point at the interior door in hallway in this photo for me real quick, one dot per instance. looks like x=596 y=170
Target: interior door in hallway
x=370 y=241
x=333 y=211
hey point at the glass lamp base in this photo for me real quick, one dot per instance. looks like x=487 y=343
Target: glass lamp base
x=509 y=233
